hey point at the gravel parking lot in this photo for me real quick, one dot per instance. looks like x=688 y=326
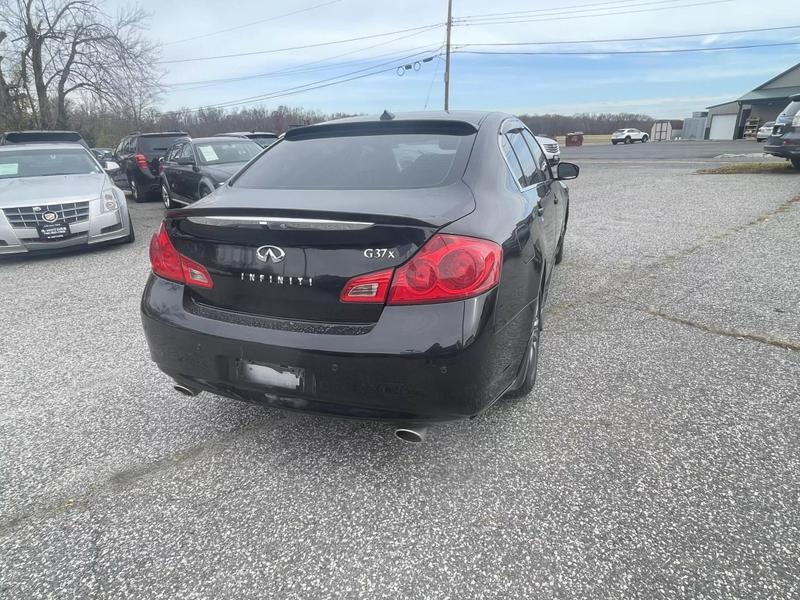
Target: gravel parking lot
x=658 y=457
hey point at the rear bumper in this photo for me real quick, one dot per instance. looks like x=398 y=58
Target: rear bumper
x=783 y=151
x=412 y=365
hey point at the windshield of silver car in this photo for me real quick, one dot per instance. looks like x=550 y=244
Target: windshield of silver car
x=39 y=162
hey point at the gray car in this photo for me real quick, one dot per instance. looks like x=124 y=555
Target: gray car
x=55 y=196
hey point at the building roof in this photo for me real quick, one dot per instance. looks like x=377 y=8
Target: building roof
x=780 y=87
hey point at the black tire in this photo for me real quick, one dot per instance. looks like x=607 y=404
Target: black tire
x=166 y=196
x=560 y=247
x=644 y=139
x=132 y=235
x=530 y=361
x=796 y=163
x=614 y=142
x=204 y=191
x=136 y=193
x=627 y=140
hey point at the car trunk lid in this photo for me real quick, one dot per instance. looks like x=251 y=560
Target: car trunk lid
x=289 y=253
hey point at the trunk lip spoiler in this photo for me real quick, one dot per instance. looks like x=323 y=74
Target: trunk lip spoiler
x=296 y=223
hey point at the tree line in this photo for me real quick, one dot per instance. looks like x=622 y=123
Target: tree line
x=588 y=123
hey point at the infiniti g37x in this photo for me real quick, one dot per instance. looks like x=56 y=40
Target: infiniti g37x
x=391 y=268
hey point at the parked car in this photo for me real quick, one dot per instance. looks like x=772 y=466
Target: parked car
x=103 y=154
x=784 y=141
x=764 y=131
x=139 y=155
x=41 y=137
x=56 y=196
x=628 y=136
x=262 y=138
x=331 y=276
x=551 y=149
x=193 y=168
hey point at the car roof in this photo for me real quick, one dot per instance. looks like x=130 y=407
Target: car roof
x=242 y=133
x=160 y=134
x=216 y=138
x=44 y=146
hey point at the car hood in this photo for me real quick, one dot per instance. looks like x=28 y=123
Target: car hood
x=30 y=191
x=223 y=172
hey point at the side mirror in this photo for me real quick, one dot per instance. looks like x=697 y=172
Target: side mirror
x=186 y=161
x=112 y=166
x=567 y=170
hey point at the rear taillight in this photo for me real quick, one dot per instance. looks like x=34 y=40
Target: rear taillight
x=447 y=267
x=170 y=264
x=141 y=160
x=370 y=288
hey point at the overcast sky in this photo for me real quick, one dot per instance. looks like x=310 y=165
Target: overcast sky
x=660 y=84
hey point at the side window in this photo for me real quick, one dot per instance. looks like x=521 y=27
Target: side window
x=173 y=153
x=120 y=146
x=186 y=151
x=511 y=160
x=524 y=156
x=539 y=158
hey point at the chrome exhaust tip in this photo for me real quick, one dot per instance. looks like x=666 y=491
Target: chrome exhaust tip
x=413 y=435
x=185 y=390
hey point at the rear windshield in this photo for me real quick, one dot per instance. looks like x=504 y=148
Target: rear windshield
x=361 y=161
x=223 y=153
x=158 y=144
x=24 y=137
x=790 y=111
x=31 y=162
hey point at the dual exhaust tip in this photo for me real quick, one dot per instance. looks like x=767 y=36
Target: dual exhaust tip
x=410 y=434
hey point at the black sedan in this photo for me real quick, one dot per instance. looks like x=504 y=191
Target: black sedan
x=391 y=268
x=193 y=168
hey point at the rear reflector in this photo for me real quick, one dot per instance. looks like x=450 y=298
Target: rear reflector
x=369 y=288
x=168 y=263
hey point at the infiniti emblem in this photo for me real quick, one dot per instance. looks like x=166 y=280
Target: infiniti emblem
x=270 y=253
x=49 y=216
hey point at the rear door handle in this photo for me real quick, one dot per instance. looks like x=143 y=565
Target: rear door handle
x=539 y=209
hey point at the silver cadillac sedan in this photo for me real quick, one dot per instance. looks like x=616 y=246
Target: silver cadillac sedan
x=55 y=196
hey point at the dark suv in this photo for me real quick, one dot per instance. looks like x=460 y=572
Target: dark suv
x=139 y=155
x=193 y=168
x=785 y=138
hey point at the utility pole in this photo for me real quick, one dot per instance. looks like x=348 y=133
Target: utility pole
x=447 y=59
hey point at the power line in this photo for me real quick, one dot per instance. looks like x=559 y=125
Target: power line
x=639 y=39
x=298 y=68
x=561 y=8
x=470 y=23
x=314 y=85
x=600 y=52
x=275 y=18
x=427 y=49
x=317 y=45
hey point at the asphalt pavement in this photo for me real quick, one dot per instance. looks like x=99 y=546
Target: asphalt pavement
x=657 y=458
x=681 y=150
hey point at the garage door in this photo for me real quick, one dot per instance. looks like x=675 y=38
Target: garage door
x=722 y=127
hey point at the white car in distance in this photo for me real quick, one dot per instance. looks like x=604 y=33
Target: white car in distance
x=628 y=136
x=764 y=131
x=550 y=148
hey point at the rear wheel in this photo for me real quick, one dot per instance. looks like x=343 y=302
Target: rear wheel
x=644 y=139
x=136 y=192
x=204 y=191
x=627 y=140
x=530 y=362
x=166 y=197
x=131 y=236
x=796 y=163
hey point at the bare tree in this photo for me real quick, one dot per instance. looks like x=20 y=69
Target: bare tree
x=72 y=50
